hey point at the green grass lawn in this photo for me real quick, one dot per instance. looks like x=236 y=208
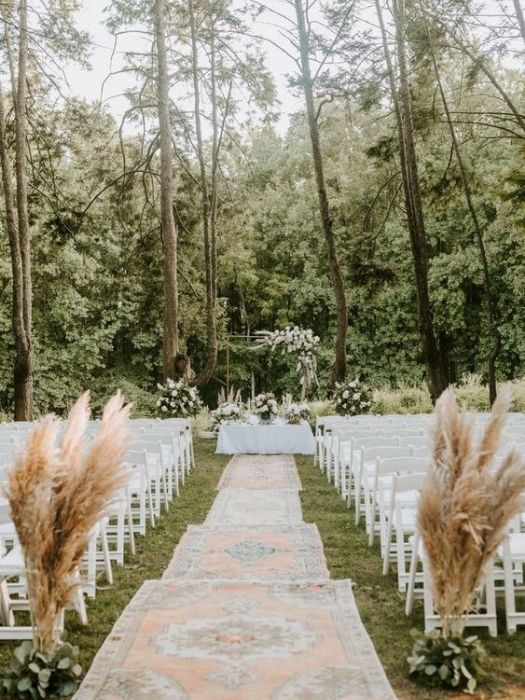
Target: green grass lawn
x=382 y=607
x=154 y=551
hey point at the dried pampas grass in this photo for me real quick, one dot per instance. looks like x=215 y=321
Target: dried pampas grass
x=58 y=491
x=466 y=504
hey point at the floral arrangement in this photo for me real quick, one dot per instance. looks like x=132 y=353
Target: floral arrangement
x=452 y=662
x=297 y=412
x=227 y=412
x=265 y=406
x=352 y=398
x=178 y=398
x=298 y=341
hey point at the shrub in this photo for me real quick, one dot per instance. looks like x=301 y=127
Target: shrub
x=453 y=662
x=35 y=674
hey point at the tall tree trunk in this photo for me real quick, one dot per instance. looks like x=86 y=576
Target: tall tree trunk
x=339 y=368
x=208 y=220
x=436 y=371
x=18 y=228
x=22 y=388
x=168 y=230
x=489 y=297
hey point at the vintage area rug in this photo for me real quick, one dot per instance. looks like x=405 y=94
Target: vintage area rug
x=247 y=508
x=261 y=552
x=234 y=641
x=245 y=610
x=259 y=472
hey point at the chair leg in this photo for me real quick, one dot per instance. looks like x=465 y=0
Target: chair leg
x=105 y=551
x=130 y=528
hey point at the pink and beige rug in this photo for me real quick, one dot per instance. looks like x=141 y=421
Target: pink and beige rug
x=245 y=611
x=249 y=507
x=264 y=552
x=234 y=641
x=260 y=472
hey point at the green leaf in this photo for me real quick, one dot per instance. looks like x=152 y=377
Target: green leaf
x=67 y=688
x=471 y=685
x=65 y=662
x=24 y=684
x=430 y=669
x=443 y=672
x=44 y=675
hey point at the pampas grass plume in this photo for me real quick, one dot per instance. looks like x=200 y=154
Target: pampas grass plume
x=58 y=491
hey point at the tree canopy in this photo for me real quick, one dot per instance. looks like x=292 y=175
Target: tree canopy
x=418 y=111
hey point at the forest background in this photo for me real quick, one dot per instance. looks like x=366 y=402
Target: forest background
x=250 y=235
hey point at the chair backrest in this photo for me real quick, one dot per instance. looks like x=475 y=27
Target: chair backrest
x=418 y=441
x=386 y=452
x=520 y=447
x=421 y=452
x=348 y=434
x=365 y=443
x=403 y=483
x=136 y=457
x=405 y=434
x=402 y=465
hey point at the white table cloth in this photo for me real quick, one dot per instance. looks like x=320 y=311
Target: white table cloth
x=242 y=438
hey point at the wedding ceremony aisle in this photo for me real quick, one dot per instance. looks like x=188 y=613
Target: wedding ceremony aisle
x=245 y=610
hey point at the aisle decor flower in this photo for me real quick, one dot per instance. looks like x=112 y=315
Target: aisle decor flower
x=299 y=342
x=59 y=488
x=179 y=399
x=229 y=408
x=352 y=398
x=295 y=413
x=265 y=407
x=225 y=413
x=465 y=506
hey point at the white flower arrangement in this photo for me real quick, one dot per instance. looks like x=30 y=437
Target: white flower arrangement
x=265 y=406
x=298 y=341
x=352 y=398
x=178 y=399
x=297 y=412
x=227 y=412
x=290 y=340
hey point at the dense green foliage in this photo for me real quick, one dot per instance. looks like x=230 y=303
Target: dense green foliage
x=97 y=274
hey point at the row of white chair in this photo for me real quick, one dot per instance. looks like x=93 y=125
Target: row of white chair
x=379 y=465
x=160 y=456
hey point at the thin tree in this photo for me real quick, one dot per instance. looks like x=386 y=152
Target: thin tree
x=17 y=217
x=336 y=277
x=489 y=297
x=437 y=375
x=170 y=345
x=208 y=207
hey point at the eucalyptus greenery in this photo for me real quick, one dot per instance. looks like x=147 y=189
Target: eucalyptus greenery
x=34 y=675
x=449 y=662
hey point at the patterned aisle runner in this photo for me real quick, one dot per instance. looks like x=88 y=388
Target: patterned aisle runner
x=245 y=609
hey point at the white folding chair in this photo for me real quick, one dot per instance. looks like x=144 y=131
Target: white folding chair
x=383 y=471
x=401 y=519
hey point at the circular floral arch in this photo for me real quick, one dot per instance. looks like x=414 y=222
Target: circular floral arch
x=296 y=341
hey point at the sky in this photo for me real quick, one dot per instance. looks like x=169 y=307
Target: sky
x=87 y=84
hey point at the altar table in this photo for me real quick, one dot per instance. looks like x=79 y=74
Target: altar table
x=242 y=438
